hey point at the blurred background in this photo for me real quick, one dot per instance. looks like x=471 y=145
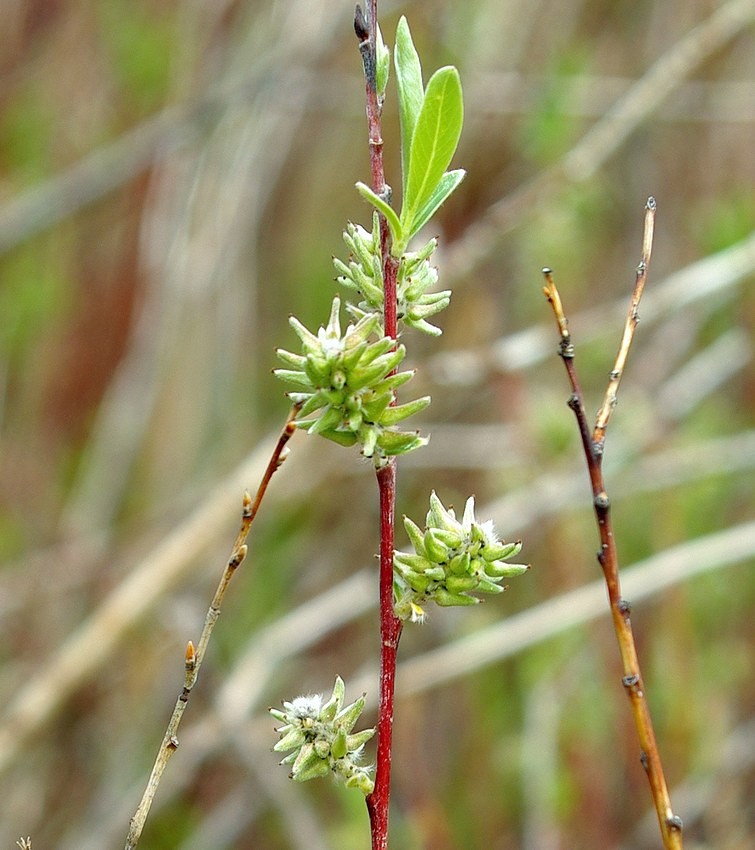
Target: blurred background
x=174 y=178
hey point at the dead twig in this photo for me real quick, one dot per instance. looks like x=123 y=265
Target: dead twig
x=194 y=657
x=593 y=443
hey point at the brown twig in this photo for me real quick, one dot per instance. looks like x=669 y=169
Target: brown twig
x=593 y=444
x=194 y=657
x=390 y=626
x=609 y=401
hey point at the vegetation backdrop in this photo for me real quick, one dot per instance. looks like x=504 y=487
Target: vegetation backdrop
x=174 y=178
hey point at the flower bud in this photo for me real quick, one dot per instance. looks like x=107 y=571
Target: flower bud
x=500 y=551
x=347 y=378
x=396 y=414
x=502 y=570
x=400 y=442
x=452 y=559
x=309 y=765
x=436 y=549
x=416 y=536
x=338 y=747
x=320 y=737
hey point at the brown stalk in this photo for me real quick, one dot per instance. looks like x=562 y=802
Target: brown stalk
x=593 y=443
x=194 y=657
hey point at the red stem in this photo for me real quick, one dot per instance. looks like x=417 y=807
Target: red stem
x=390 y=633
x=378 y=802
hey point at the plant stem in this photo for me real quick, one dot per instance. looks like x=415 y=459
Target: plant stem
x=390 y=626
x=609 y=401
x=390 y=633
x=194 y=657
x=593 y=444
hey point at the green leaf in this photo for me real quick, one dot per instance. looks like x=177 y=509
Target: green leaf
x=447 y=185
x=411 y=93
x=383 y=207
x=434 y=142
x=383 y=64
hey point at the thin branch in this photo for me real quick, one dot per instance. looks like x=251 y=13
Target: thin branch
x=193 y=658
x=670 y=824
x=609 y=401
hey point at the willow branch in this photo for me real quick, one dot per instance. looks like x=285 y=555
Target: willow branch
x=378 y=802
x=592 y=444
x=194 y=657
x=609 y=401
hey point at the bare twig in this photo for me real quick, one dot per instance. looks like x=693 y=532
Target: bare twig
x=609 y=401
x=193 y=658
x=592 y=444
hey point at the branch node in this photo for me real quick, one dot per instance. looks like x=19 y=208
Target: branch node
x=674 y=823
x=283 y=455
x=625 y=607
x=173 y=742
x=602 y=502
x=573 y=402
x=237 y=557
x=633 y=685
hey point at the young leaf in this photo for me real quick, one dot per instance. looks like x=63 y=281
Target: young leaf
x=383 y=65
x=383 y=207
x=410 y=92
x=448 y=183
x=434 y=141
